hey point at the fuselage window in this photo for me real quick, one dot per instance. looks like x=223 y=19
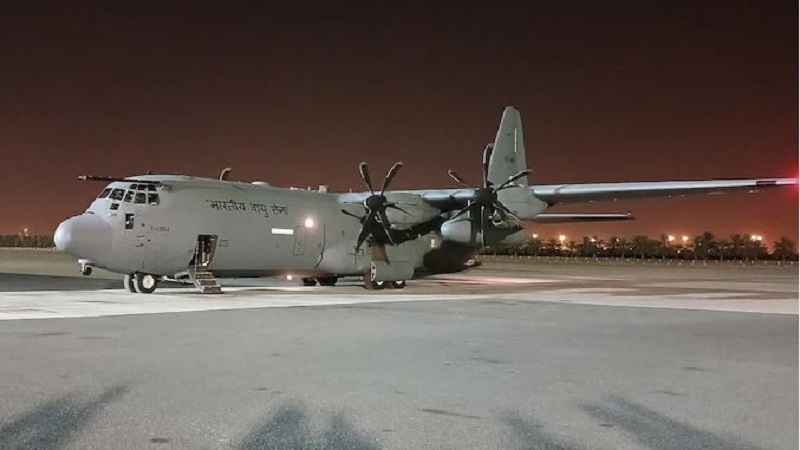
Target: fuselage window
x=114 y=206
x=152 y=199
x=128 y=221
x=105 y=193
x=117 y=194
x=128 y=197
x=140 y=197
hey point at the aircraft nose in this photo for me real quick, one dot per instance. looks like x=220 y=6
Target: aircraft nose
x=82 y=235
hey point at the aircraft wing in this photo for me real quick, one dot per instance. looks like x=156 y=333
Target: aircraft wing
x=573 y=193
x=453 y=199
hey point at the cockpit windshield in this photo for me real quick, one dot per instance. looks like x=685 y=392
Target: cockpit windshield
x=144 y=194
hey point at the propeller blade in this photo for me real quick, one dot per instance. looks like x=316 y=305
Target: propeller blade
x=465 y=209
x=385 y=225
x=390 y=176
x=458 y=179
x=366 y=229
x=364 y=171
x=346 y=212
x=484 y=224
x=487 y=156
x=513 y=178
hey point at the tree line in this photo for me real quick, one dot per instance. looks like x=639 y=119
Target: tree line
x=24 y=240
x=703 y=247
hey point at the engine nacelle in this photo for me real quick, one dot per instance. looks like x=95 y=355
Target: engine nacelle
x=460 y=231
x=417 y=208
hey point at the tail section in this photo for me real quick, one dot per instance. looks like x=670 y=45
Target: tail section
x=508 y=159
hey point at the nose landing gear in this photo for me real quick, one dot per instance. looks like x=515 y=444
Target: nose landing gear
x=86 y=267
x=141 y=283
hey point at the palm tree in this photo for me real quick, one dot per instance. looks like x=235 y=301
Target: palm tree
x=783 y=248
x=704 y=245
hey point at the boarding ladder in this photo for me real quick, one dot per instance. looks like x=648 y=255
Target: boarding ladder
x=202 y=277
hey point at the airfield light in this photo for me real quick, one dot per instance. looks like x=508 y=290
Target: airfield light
x=756 y=237
x=309 y=223
x=289 y=277
x=670 y=238
x=685 y=239
x=562 y=238
x=535 y=235
x=593 y=240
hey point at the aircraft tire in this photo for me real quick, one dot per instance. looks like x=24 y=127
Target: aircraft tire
x=327 y=281
x=373 y=285
x=309 y=281
x=128 y=281
x=399 y=284
x=145 y=283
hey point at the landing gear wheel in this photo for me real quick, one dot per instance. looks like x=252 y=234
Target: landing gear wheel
x=328 y=281
x=400 y=284
x=145 y=283
x=373 y=285
x=86 y=270
x=309 y=282
x=129 y=283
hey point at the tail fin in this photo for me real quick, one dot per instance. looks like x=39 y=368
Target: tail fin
x=508 y=159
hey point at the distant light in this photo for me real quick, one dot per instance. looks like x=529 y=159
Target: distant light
x=756 y=237
x=593 y=240
x=289 y=277
x=535 y=235
x=685 y=238
x=25 y=231
x=670 y=238
x=309 y=223
x=562 y=238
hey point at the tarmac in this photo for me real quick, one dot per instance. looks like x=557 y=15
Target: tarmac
x=511 y=356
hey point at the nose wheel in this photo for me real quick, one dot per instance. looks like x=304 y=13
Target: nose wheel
x=141 y=283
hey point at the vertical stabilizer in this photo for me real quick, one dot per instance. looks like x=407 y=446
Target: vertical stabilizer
x=508 y=159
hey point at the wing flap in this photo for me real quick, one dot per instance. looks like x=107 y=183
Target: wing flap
x=579 y=217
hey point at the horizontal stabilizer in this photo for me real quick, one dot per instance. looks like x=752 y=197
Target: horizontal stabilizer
x=586 y=217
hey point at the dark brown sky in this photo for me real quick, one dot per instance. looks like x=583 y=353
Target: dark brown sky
x=299 y=94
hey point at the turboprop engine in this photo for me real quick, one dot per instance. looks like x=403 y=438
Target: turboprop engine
x=467 y=232
x=412 y=209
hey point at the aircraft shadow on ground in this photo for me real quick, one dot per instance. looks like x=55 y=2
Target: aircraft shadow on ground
x=16 y=282
x=53 y=424
x=657 y=431
x=288 y=427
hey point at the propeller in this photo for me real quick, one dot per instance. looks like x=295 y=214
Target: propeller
x=375 y=223
x=484 y=200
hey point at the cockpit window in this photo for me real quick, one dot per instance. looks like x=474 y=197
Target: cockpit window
x=128 y=197
x=134 y=187
x=152 y=188
x=117 y=194
x=105 y=193
x=140 y=197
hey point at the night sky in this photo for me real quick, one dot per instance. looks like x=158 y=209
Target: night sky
x=297 y=93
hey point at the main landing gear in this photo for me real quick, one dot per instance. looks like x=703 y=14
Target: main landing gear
x=373 y=285
x=323 y=281
x=141 y=283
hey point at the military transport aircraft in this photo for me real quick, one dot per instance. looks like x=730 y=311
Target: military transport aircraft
x=156 y=227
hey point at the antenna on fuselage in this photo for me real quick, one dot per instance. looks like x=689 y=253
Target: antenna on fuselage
x=224 y=174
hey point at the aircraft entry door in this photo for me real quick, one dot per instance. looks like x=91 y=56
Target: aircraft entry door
x=299 y=241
